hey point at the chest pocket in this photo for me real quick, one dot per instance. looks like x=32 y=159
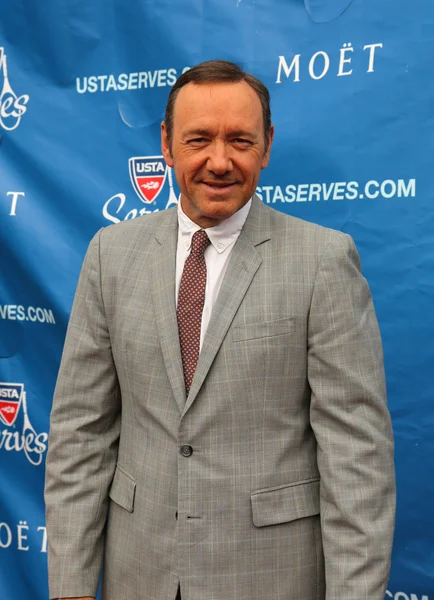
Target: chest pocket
x=266 y=329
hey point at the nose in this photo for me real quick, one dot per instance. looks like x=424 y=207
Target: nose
x=219 y=161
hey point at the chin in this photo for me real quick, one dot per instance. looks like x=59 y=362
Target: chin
x=224 y=204
x=221 y=211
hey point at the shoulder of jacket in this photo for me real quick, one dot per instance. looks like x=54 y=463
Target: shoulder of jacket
x=308 y=231
x=144 y=227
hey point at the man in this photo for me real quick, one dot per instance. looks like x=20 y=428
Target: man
x=260 y=468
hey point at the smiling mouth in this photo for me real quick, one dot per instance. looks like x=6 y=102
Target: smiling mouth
x=219 y=185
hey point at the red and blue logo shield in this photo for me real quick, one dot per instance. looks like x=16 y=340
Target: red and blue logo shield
x=10 y=401
x=147 y=174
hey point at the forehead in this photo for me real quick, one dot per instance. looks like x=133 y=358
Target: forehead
x=232 y=104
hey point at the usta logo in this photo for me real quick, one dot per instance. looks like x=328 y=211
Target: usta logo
x=12 y=107
x=12 y=398
x=148 y=175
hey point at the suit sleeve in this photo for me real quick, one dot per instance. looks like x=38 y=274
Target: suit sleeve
x=352 y=426
x=83 y=442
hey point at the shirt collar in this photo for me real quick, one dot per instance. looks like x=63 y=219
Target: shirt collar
x=222 y=235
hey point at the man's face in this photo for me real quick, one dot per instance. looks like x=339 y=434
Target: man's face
x=218 y=149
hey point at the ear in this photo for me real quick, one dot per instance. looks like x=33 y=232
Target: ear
x=266 y=157
x=165 y=146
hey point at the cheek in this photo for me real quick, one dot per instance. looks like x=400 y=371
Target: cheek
x=251 y=171
x=188 y=169
x=250 y=164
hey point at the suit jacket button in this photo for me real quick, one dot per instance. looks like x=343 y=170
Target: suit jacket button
x=186 y=451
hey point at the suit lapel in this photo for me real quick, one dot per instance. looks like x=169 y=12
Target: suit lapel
x=243 y=264
x=163 y=292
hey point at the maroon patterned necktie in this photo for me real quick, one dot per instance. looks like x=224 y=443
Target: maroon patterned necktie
x=191 y=298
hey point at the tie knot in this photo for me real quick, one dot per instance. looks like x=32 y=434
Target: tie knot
x=199 y=242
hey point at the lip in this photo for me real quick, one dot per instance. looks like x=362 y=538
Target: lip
x=218 y=189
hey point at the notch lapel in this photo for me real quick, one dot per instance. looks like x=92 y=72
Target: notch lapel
x=243 y=264
x=163 y=294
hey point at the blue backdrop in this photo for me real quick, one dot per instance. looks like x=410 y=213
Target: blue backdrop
x=83 y=91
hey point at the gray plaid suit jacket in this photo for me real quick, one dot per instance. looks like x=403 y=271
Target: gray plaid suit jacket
x=288 y=493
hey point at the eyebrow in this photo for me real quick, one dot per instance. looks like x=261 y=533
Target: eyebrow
x=189 y=132
x=206 y=132
x=243 y=133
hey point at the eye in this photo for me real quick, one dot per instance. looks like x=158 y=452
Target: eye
x=197 y=140
x=242 y=142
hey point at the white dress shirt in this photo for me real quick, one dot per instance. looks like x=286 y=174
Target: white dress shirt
x=222 y=238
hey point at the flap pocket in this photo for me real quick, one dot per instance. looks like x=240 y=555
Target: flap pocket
x=262 y=330
x=285 y=503
x=123 y=489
